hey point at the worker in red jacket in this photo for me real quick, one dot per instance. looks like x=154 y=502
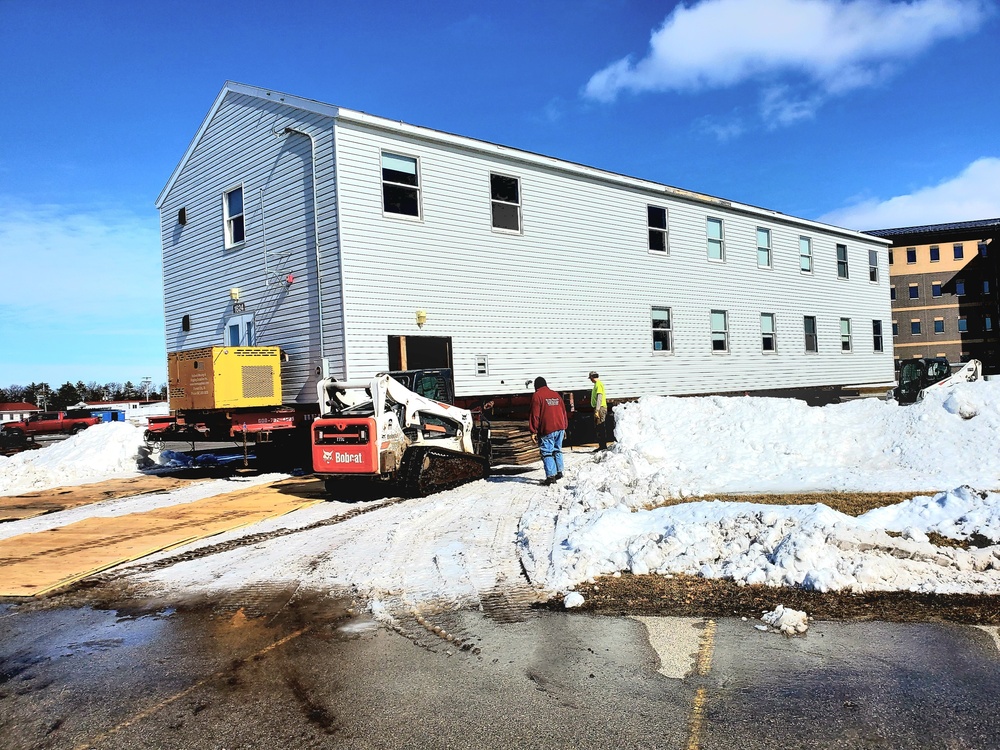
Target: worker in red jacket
x=547 y=424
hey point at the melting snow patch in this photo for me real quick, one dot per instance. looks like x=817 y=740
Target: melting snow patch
x=788 y=621
x=573 y=599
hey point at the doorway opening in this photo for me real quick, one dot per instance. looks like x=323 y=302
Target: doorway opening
x=419 y=352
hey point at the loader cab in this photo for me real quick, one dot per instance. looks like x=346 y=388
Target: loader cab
x=437 y=384
x=917 y=374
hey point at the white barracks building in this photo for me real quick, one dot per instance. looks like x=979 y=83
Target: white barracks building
x=359 y=244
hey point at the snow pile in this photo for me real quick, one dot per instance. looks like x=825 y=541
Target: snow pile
x=573 y=599
x=103 y=451
x=788 y=621
x=678 y=447
x=668 y=447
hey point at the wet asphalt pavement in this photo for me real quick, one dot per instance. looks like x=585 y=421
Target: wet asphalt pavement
x=308 y=672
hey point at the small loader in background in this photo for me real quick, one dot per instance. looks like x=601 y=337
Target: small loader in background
x=917 y=376
x=380 y=430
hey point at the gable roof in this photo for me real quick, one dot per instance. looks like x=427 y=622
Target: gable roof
x=19 y=406
x=473 y=144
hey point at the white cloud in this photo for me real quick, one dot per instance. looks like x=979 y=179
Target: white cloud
x=832 y=46
x=973 y=194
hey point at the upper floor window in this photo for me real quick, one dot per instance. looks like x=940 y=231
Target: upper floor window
x=232 y=205
x=841 y=261
x=656 y=221
x=505 y=202
x=915 y=327
x=892 y=293
x=983 y=251
x=895 y=328
x=763 y=247
x=805 y=254
x=239 y=331
x=662 y=330
x=986 y=286
x=845 y=334
x=877 y=336
x=400 y=185
x=914 y=291
x=938 y=325
x=809 y=327
x=935 y=253
x=911 y=255
x=963 y=324
x=768 y=345
x=716 y=244
x=873 y=265
x=959 y=287
x=720 y=331
x=959 y=251
x=987 y=323
x=890 y=256
x=936 y=289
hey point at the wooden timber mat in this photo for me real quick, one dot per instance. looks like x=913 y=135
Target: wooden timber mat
x=41 y=562
x=31 y=504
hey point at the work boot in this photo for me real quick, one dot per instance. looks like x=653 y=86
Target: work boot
x=548 y=480
x=557 y=477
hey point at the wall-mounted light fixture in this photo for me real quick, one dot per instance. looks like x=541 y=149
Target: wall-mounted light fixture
x=234 y=294
x=421 y=318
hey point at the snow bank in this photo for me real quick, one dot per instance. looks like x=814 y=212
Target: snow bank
x=669 y=447
x=103 y=451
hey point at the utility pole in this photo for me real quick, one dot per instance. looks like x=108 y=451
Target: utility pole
x=145 y=384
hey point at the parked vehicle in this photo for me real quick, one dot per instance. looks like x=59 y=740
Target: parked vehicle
x=49 y=423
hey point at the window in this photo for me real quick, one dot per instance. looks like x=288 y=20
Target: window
x=963 y=324
x=877 y=336
x=505 y=202
x=841 y=261
x=232 y=206
x=935 y=253
x=809 y=327
x=400 y=185
x=987 y=323
x=983 y=251
x=892 y=292
x=720 y=331
x=895 y=328
x=239 y=331
x=662 y=330
x=656 y=219
x=959 y=251
x=763 y=248
x=960 y=287
x=845 y=334
x=914 y=291
x=915 y=327
x=716 y=245
x=805 y=254
x=936 y=289
x=482 y=365
x=986 y=286
x=767 y=341
x=938 y=325
x=873 y=265
x=911 y=255
x=890 y=256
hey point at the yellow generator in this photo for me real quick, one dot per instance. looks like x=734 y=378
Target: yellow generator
x=224 y=377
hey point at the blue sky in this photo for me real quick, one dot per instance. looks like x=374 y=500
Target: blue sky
x=868 y=114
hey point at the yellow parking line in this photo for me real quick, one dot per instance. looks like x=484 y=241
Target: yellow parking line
x=697 y=722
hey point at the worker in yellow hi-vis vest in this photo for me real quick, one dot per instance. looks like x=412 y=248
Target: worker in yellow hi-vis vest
x=599 y=400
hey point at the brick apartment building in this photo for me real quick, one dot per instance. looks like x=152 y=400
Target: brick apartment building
x=944 y=291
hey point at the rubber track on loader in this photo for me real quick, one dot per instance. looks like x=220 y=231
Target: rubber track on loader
x=429 y=470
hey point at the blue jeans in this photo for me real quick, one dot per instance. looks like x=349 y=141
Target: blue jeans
x=551 y=448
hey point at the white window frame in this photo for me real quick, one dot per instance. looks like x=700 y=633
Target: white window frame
x=846 y=343
x=720 y=240
x=765 y=249
x=723 y=331
x=418 y=187
x=766 y=335
x=669 y=328
x=878 y=342
x=499 y=202
x=842 y=262
x=247 y=330
x=873 y=266
x=814 y=334
x=805 y=254
x=229 y=220
x=663 y=231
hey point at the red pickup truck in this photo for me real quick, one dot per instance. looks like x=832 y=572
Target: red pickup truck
x=49 y=423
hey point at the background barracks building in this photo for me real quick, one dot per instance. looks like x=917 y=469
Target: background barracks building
x=944 y=291
x=359 y=244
